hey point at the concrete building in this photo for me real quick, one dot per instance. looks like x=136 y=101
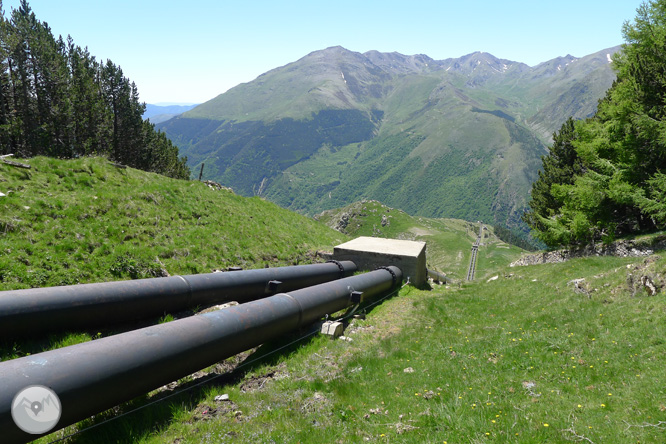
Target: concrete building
x=368 y=253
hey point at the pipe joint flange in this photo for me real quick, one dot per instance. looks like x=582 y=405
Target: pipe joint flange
x=340 y=266
x=393 y=275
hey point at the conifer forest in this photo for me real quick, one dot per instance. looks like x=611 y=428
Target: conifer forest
x=58 y=100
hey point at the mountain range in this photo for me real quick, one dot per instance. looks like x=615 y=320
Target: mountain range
x=161 y=113
x=460 y=137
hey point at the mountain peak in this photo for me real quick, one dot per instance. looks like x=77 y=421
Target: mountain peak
x=330 y=51
x=399 y=63
x=569 y=63
x=481 y=66
x=333 y=55
x=334 y=49
x=558 y=61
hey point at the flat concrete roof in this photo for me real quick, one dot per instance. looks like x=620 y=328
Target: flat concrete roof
x=395 y=247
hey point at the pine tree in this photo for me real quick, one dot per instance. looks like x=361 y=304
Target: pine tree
x=21 y=74
x=57 y=100
x=620 y=186
x=6 y=142
x=560 y=166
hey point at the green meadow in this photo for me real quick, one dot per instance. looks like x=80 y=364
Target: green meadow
x=556 y=353
x=525 y=358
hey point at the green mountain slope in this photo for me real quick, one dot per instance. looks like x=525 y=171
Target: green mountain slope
x=453 y=138
x=448 y=241
x=334 y=78
x=67 y=222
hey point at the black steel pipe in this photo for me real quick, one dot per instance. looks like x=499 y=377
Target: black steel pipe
x=94 y=376
x=39 y=310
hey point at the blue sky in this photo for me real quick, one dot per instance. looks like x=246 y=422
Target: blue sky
x=192 y=51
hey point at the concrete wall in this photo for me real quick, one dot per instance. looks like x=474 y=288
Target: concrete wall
x=371 y=253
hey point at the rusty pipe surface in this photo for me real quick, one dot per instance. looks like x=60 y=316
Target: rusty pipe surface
x=94 y=376
x=38 y=310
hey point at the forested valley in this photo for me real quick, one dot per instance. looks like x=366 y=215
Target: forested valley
x=58 y=100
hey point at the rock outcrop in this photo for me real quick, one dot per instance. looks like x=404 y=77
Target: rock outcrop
x=623 y=248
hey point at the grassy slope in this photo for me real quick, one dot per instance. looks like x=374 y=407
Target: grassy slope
x=448 y=241
x=296 y=90
x=524 y=358
x=65 y=222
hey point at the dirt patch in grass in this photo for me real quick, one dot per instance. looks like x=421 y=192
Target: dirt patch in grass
x=255 y=383
x=209 y=411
